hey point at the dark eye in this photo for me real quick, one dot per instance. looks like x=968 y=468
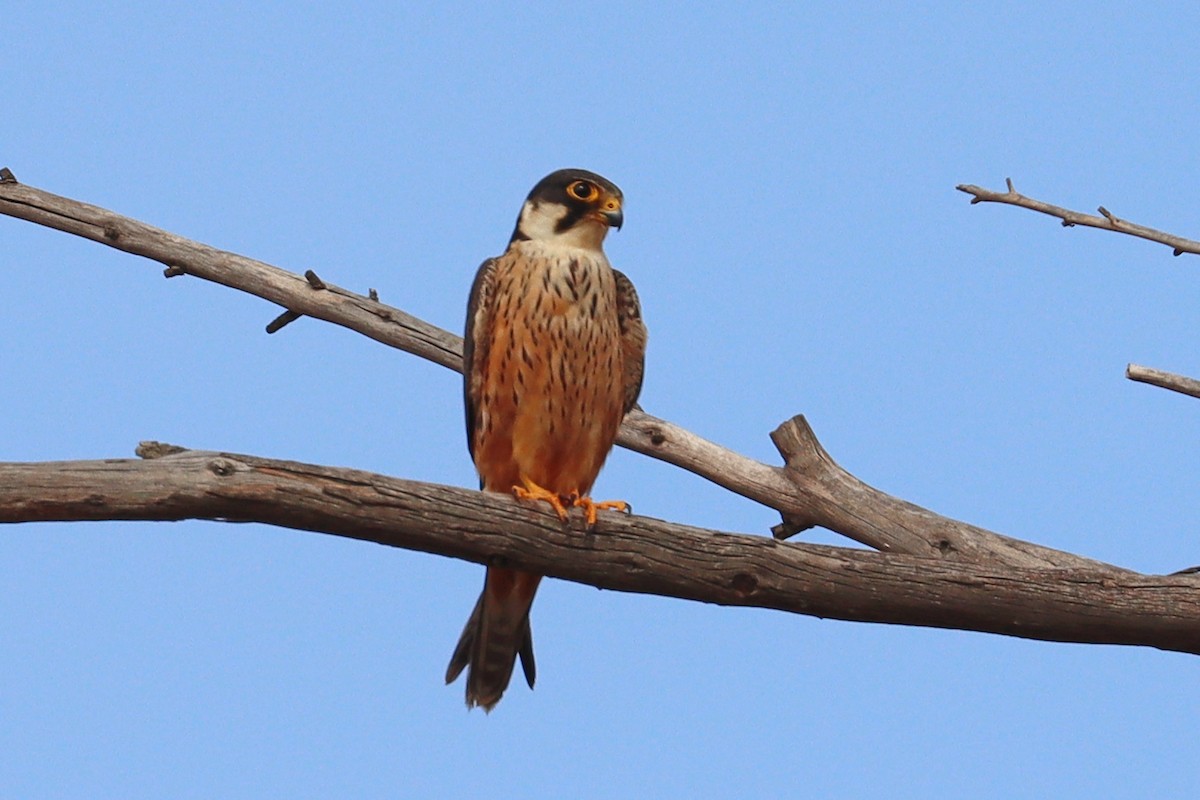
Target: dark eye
x=582 y=190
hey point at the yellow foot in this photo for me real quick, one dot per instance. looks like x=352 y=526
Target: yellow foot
x=590 y=506
x=531 y=491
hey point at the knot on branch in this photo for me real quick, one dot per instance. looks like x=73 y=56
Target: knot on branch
x=149 y=450
x=221 y=467
x=744 y=584
x=945 y=546
x=649 y=432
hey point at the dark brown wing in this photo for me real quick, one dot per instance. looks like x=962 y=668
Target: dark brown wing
x=633 y=338
x=476 y=342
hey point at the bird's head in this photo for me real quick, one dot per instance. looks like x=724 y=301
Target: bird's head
x=571 y=207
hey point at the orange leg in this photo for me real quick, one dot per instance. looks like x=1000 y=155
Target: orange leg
x=531 y=491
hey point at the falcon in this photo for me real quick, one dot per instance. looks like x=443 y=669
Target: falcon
x=552 y=361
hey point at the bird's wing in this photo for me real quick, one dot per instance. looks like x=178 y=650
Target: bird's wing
x=476 y=343
x=633 y=338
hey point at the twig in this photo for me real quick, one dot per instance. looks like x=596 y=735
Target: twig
x=314 y=281
x=286 y=318
x=1165 y=380
x=1106 y=221
x=289 y=316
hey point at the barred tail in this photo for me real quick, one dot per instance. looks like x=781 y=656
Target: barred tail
x=495 y=634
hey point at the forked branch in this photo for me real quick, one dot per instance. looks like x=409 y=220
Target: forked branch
x=815 y=492
x=931 y=570
x=625 y=553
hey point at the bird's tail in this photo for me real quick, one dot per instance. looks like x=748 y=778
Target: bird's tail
x=496 y=633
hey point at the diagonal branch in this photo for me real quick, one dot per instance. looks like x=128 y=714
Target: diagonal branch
x=623 y=553
x=181 y=256
x=1106 y=221
x=811 y=490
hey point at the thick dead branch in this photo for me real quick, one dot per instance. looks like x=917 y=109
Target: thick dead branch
x=841 y=502
x=811 y=490
x=1165 y=380
x=1106 y=221
x=625 y=553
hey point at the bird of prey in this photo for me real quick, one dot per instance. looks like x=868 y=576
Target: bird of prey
x=552 y=361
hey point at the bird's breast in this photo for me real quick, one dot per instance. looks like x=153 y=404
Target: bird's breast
x=553 y=394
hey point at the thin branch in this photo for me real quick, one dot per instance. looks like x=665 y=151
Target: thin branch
x=1109 y=222
x=1106 y=221
x=1165 y=380
x=382 y=323
x=623 y=553
x=812 y=491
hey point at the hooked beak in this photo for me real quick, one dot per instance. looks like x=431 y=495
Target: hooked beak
x=610 y=213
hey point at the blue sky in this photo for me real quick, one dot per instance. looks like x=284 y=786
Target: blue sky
x=794 y=233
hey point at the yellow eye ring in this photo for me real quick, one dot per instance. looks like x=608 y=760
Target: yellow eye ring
x=582 y=190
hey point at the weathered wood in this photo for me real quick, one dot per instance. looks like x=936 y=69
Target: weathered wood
x=624 y=553
x=931 y=570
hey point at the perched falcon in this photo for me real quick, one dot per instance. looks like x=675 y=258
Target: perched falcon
x=552 y=362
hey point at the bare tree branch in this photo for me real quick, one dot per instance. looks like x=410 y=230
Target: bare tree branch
x=186 y=257
x=812 y=490
x=931 y=570
x=1109 y=222
x=1165 y=380
x=624 y=553
x=1106 y=221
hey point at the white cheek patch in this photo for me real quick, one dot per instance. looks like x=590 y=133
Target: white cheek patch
x=538 y=220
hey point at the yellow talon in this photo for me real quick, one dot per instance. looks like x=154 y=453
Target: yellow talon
x=531 y=491
x=590 y=506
